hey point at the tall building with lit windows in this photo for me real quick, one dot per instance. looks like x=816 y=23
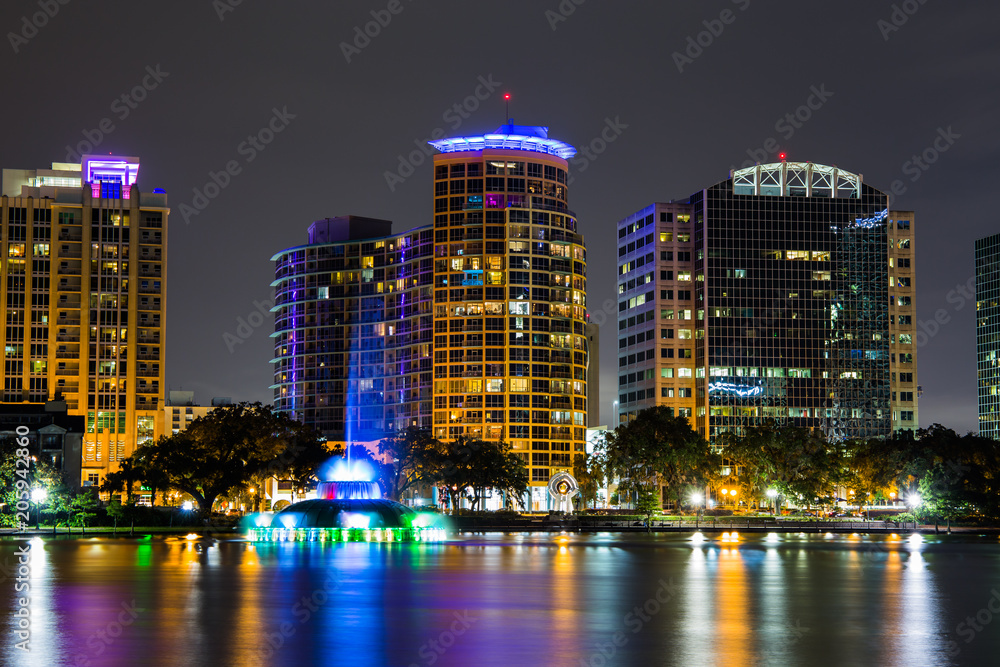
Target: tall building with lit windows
x=84 y=296
x=785 y=292
x=473 y=326
x=352 y=329
x=988 y=334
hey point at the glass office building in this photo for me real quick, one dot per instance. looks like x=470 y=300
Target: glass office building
x=988 y=334
x=783 y=293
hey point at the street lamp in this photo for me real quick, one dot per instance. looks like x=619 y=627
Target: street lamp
x=914 y=502
x=38 y=495
x=696 y=499
x=773 y=495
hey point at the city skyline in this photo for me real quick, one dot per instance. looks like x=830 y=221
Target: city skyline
x=249 y=148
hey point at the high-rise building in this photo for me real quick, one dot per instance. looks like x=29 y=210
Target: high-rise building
x=84 y=292
x=353 y=329
x=473 y=326
x=988 y=334
x=785 y=292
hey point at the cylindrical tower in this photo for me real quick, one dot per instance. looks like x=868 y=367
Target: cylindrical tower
x=510 y=353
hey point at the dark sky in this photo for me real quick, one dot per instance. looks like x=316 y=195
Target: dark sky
x=890 y=90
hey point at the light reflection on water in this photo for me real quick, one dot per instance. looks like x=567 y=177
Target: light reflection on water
x=529 y=599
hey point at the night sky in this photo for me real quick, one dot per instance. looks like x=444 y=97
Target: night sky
x=884 y=84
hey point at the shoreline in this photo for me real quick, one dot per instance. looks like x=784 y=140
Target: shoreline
x=815 y=528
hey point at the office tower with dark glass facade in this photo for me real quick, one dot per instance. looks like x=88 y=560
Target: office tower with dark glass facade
x=84 y=296
x=473 y=326
x=785 y=292
x=988 y=334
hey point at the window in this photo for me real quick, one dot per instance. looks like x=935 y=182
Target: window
x=905 y=339
x=906 y=395
x=666 y=372
x=905 y=319
x=683 y=334
x=666 y=333
x=903 y=282
x=903 y=301
x=906 y=415
x=667 y=392
x=684 y=372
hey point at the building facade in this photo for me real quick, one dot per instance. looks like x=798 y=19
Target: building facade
x=784 y=293
x=988 y=334
x=472 y=326
x=353 y=329
x=84 y=296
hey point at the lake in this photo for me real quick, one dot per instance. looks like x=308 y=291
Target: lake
x=516 y=599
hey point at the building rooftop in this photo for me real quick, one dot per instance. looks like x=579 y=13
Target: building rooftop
x=514 y=137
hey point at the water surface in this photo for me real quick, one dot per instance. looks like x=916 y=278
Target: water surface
x=529 y=599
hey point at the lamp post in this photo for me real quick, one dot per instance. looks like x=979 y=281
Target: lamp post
x=773 y=495
x=914 y=502
x=696 y=501
x=38 y=495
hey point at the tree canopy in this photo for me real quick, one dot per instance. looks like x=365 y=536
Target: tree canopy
x=229 y=448
x=657 y=448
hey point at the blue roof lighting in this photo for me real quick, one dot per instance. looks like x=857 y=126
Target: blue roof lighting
x=514 y=137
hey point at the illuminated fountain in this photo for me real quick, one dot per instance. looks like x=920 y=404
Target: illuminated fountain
x=348 y=507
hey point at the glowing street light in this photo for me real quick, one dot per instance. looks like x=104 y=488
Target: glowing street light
x=38 y=496
x=187 y=505
x=773 y=495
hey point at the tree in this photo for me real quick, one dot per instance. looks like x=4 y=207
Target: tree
x=648 y=504
x=590 y=475
x=658 y=448
x=795 y=461
x=470 y=465
x=415 y=459
x=227 y=448
x=80 y=509
x=117 y=511
x=944 y=493
x=127 y=475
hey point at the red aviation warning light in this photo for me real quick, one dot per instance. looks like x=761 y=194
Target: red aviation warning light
x=782 y=156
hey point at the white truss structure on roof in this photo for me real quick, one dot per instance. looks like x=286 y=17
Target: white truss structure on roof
x=796 y=179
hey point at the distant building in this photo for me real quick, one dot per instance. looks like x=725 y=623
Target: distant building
x=55 y=436
x=180 y=410
x=785 y=293
x=988 y=334
x=84 y=292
